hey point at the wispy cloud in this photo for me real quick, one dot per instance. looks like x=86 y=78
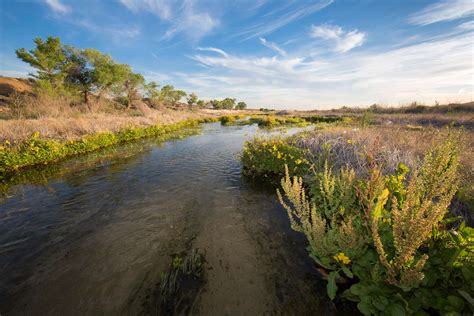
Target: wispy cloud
x=466 y=26
x=302 y=82
x=444 y=10
x=58 y=7
x=344 y=41
x=115 y=33
x=272 y=46
x=161 y=8
x=184 y=16
x=213 y=49
x=292 y=14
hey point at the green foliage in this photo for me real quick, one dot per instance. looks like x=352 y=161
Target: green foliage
x=107 y=75
x=201 y=103
x=390 y=237
x=37 y=151
x=366 y=119
x=241 y=106
x=64 y=70
x=270 y=121
x=170 y=96
x=152 y=92
x=79 y=72
x=228 y=120
x=324 y=119
x=192 y=99
x=48 y=58
x=216 y=104
x=183 y=271
x=228 y=103
x=133 y=83
x=269 y=156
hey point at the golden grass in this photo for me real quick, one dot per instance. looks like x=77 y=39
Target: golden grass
x=84 y=124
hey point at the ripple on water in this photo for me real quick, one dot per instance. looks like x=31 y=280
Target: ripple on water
x=95 y=239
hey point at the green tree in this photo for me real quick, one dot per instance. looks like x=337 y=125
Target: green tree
x=241 y=105
x=201 y=103
x=177 y=96
x=228 y=103
x=152 y=92
x=48 y=58
x=216 y=104
x=106 y=73
x=79 y=72
x=132 y=85
x=170 y=96
x=192 y=99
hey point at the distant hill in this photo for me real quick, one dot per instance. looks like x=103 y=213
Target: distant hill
x=10 y=85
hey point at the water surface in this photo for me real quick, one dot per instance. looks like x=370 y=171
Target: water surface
x=95 y=236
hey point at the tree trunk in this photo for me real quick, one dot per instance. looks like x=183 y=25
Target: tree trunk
x=86 y=96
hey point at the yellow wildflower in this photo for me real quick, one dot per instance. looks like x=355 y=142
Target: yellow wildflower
x=7 y=142
x=298 y=161
x=279 y=155
x=36 y=134
x=341 y=257
x=275 y=148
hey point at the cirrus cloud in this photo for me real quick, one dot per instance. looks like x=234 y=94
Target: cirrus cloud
x=344 y=41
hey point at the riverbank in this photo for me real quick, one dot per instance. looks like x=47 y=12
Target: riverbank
x=37 y=149
x=376 y=206
x=74 y=127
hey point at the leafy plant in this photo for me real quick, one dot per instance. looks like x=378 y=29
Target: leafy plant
x=268 y=157
x=390 y=237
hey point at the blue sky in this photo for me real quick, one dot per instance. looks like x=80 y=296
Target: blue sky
x=278 y=54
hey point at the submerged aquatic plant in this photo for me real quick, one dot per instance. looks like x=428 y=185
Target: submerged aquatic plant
x=182 y=270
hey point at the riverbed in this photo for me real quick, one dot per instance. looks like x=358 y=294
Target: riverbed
x=95 y=234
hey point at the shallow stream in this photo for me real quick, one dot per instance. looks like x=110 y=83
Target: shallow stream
x=95 y=235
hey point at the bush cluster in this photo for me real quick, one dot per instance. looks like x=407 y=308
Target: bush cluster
x=269 y=121
x=267 y=157
x=36 y=151
x=385 y=241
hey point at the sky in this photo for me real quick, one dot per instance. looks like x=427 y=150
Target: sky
x=289 y=54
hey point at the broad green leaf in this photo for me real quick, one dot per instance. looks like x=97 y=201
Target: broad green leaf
x=347 y=272
x=395 y=310
x=332 y=287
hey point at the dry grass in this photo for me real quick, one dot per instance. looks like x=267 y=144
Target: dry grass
x=385 y=145
x=71 y=128
x=64 y=118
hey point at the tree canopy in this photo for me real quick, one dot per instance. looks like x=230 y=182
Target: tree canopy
x=64 y=69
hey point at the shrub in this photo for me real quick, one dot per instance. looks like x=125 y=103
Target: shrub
x=35 y=150
x=326 y=119
x=388 y=236
x=228 y=120
x=268 y=157
x=270 y=121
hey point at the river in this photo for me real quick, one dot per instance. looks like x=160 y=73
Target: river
x=95 y=235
